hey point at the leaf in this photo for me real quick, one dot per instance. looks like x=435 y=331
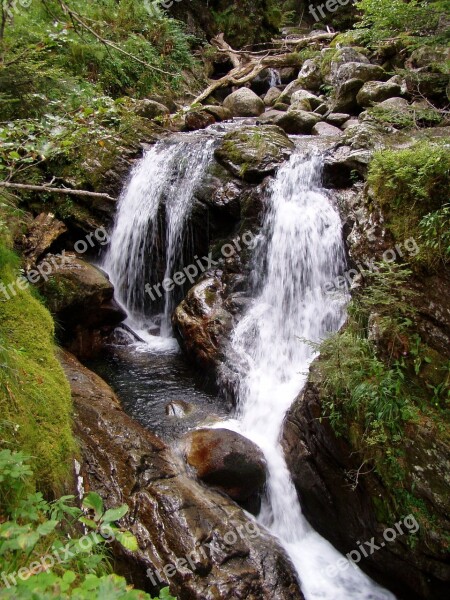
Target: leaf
x=47 y=527
x=93 y=502
x=127 y=540
x=114 y=514
x=88 y=522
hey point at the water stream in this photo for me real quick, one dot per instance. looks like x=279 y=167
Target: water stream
x=301 y=251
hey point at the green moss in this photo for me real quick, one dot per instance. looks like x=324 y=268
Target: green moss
x=404 y=119
x=35 y=399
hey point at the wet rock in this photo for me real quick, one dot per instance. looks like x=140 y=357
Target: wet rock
x=201 y=324
x=229 y=462
x=198 y=119
x=172 y=516
x=376 y=91
x=220 y=113
x=325 y=129
x=39 y=237
x=272 y=96
x=271 y=116
x=150 y=109
x=297 y=122
x=251 y=153
x=81 y=298
x=178 y=408
x=321 y=465
x=244 y=103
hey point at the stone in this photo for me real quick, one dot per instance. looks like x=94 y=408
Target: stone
x=251 y=153
x=271 y=116
x=304 y=95
x=41 y=234
x=170 y=513
x=272 y=96
x=350 y=123
x=342 y=56
x=345 y=100
x=325 y=129
x=310 y=77
x=376 y=91
x=150 y=109
x=244 y=103
x=298 y=122
x=364 y=72
x=286 y=96
x=198 y=119
x=337 y=119
x=398 y=104
x=178 y=409
x=227 y=461
x=220 y=113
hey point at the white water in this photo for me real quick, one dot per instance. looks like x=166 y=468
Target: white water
x=275 y=78
x=302 y=251
x=151 y=223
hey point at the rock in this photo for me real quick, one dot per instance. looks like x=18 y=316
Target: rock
x=427 y=57
x=434 y=86
x=272 y=96
x=322 y=109
x=366 y=136
x=337 y=119
x=321 y=464
x=171 y=514
x=229 y=462
x=81 y=298
x=178 y=408
x=398 y=104
x=341 y=162
x=282 y=106
x=376 y=91
x=201 y=324
x=297 y=122
x=39 y=237
x=150 y=109
x=198 y=119
x=325 y=129
x=271 y=116
x=287 y=74
x=251 y=152
x=303 y=95
x=342 y=56
x=286 y=96
x=345 y=100
x=220 y=113
x=310 y=77
x=364 y=72
x=350 y=123
x=244 y=103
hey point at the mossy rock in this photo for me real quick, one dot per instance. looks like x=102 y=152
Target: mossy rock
x=252 y=153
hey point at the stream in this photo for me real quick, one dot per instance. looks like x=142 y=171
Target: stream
x=300 y=250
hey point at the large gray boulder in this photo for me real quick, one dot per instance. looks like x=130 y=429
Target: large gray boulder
x=345 y=98
x=325 y=129
x=244 y=103
x=150 y=109
x=363 y=71
x=301 y=97
x=297 y=122
x=310 y=76
x=377 y=91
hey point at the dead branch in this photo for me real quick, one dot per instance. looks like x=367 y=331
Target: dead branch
x=52 y=190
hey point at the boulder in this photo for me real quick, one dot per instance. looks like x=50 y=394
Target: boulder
x=272 y=96
x=198 y=119
x=342 y=56
x=337 y=119
x=220 y=113
x=39 y=238
x=81 y=298
x=244 y=103
x=325 y=129
x=150 y=109
x=310 y=76
x=345 y=99
x=227 y=461
x=252 y=153
x=376 y=91
x=397 y=104
x=364 y=72
x=303 y=95
x=170 y=513
x=201 y=324
x=298 y=122
x=286 y=96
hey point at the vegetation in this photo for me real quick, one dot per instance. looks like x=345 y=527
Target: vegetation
x=43 y=552
x=411 y=186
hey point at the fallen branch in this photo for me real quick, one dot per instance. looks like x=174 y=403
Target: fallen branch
x=52 y=190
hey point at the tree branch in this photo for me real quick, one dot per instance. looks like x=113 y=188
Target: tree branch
x=52 y=190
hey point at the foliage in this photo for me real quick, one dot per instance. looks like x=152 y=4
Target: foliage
x=410 y=184
x=435 y=233
x=384 y=18
x=43 y=555
x=403 y=119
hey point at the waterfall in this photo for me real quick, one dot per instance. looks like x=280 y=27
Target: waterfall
x=151 y=232
x=275 y=78
x=301 y=251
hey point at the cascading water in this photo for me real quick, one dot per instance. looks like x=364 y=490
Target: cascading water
x=301 y=251
x=275 y=78
x=150 y=227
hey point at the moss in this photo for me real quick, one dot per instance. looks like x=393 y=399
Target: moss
x=35 y=398
x=404 y=119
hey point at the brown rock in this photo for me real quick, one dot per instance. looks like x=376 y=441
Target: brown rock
x=41 y=234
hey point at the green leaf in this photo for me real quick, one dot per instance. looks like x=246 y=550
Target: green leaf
x=114 y=514
x=47 y=527
x=88 y=522
x=127 y=540
x=92 y=501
